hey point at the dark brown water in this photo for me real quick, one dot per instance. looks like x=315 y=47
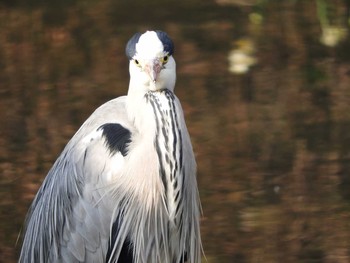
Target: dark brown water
x=265 y=86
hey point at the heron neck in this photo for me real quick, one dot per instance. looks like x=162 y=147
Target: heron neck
x=168 y=142
x=139 y=111
x=157 y=115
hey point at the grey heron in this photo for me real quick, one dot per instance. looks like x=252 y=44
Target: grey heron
x=124 y=188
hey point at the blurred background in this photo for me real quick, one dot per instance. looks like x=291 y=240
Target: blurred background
x=265 y=85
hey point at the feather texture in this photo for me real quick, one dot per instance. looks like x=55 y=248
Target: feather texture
x=124 y=188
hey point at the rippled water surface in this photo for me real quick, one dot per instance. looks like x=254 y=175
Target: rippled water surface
x=265 y=86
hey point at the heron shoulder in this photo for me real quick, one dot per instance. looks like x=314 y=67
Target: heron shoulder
x=108 y=121
x=112 y=111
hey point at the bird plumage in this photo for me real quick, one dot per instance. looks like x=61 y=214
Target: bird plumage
x=124 y=188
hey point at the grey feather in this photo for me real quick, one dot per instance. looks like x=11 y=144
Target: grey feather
x=124 y=187
x=67 y=188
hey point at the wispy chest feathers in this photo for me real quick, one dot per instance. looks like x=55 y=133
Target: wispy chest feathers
x=161 y=234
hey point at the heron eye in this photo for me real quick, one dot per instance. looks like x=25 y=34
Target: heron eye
x=165 y=59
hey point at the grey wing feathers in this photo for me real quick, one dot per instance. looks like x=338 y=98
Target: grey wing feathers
x=68 y=202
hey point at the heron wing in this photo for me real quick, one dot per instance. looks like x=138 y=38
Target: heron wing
x=70 y=219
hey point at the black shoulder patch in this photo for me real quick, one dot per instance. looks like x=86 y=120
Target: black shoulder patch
x=126 y=253
x=117 y=137
x=130 y=49
x=167 y=42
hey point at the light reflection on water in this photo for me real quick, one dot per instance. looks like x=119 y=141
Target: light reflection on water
x=272 y=142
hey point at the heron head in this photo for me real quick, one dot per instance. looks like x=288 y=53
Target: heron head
x=151 y=60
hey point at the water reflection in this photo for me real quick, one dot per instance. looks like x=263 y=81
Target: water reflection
x=242 y=57
x=332 y=33
x=272 y=144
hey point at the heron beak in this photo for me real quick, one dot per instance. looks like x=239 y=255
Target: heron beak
x=153 y=68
